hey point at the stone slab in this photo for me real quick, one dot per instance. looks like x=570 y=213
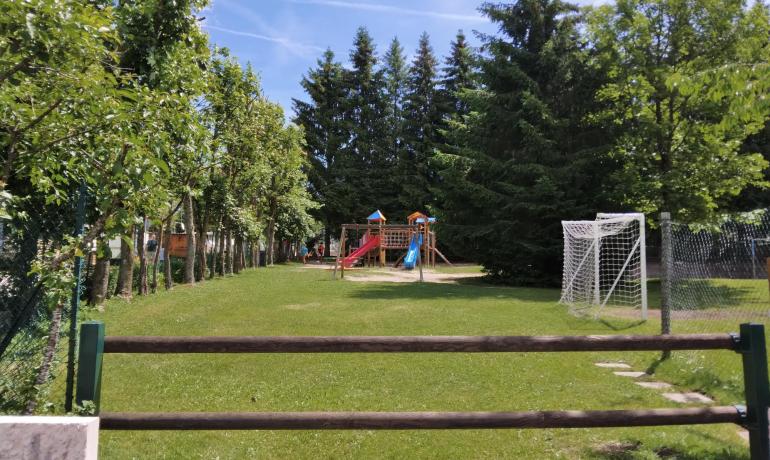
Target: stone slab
x=654 y=385
x=633 y=374
x=688 y=398
x=39 y=438
x=610 y=365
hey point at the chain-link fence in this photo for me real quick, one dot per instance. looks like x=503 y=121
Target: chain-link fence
x=719 y=273
x=714 y=277
x=33 y=329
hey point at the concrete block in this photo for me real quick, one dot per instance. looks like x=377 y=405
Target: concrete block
x=688 y=398
x=42 y=438
x=613 y=365
x=634 y=374
x=654 y=385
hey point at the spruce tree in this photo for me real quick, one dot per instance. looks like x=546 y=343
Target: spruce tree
x=396 y=74
x=322 y=118
x=520 y=163
x=368 y=173
x=423 y=118
x=458 y=76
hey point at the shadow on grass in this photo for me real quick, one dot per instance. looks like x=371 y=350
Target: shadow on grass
x=468 y=288
x=620 y=325
x=702 y=294
x=702 y=378
x=711 y=448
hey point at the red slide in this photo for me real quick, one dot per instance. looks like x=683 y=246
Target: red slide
x=370 y=244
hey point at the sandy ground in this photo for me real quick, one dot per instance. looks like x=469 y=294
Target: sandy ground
x=395 y=275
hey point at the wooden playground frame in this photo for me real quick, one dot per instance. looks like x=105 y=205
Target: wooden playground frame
x=390 y=237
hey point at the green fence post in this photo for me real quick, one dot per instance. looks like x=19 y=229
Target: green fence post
x=90 y=363
x=755 y=378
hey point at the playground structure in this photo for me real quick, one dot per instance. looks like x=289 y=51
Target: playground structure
x=373 y=239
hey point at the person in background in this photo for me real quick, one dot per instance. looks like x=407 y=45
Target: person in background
x=303 y=253
x=321 y=252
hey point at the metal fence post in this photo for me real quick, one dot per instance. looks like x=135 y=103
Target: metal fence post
x=755 y=378
x=666 y=260
x=75 y=301
x=90 y=363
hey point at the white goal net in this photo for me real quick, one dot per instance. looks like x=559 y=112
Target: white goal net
x=605 y=263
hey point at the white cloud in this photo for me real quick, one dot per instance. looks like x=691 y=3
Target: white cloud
x=393 y=9
x=291 y=45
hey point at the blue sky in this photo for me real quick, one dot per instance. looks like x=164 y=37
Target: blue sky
x=283 y=38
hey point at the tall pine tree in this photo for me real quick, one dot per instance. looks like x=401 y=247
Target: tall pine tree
x=369 y=177
x=322 y=118
x=458 y=76
x=520 y=149
x=396 y=75
x=422 y=122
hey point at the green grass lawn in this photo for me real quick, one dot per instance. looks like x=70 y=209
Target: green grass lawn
x=290 y=300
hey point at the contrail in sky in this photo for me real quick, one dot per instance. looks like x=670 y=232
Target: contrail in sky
x=288 y=43
x=392 y=9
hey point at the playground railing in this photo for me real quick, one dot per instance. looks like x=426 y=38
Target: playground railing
x=750 y=344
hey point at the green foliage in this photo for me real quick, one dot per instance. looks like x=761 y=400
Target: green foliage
x=689 y=83
x=123 y=99
x=325 y=133
x=257 y=173
x=515 y=165
x=421 y=109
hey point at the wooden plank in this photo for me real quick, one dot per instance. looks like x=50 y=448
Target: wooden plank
x=442 y=256
x=415 y=420
x=418 y=344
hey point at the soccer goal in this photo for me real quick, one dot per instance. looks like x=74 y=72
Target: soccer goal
x=605 y=263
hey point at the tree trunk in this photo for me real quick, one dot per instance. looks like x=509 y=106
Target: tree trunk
x=257 y=254
x=229 y=251
x=270 y=250
x=203 y=223
x=327 y=242
x=237 y=255
x=142 y=259
x=125 y=286
x=167 y=281
x=214 y=253
x=50 y=352
x=100 y=281
x=221 y=253
x=189 y=225
x=156 y=258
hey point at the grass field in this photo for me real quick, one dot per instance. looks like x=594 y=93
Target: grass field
x=290 y=300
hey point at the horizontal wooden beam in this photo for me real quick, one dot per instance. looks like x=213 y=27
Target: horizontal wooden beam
x=415 y=344
x=415 y=420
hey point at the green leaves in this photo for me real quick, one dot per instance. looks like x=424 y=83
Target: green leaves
x=689 y=84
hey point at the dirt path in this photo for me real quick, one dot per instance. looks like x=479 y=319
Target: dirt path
x=395 y=275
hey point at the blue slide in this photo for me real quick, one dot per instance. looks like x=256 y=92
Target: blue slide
x=411 y=256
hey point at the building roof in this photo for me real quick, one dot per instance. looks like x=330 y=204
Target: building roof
x=416 y=215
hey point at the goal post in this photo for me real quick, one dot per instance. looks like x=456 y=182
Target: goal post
x=605 y=262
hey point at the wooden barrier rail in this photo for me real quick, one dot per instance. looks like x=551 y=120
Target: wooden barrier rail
x=415 y=420
x=417 y=344
x=750 y=344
